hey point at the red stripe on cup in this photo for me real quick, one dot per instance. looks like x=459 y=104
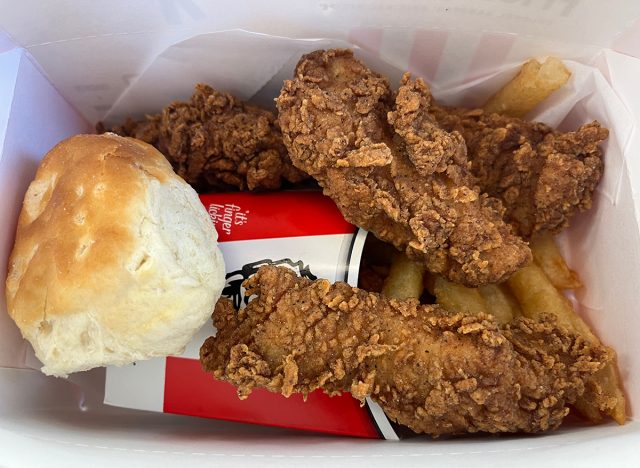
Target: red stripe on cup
x=189 y=390
x=243 y=216
x=368 y=38
x=490 y=52
x=426 y=53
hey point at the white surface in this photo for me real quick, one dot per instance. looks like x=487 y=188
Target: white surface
x=5 y=42
x=96 y=50
x=9 y=64
x=38 y=119
x=139 y=385
x=66 y=427
x=621 y=71
x=163 y=81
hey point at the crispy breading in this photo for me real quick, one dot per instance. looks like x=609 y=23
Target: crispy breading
x=542 y=176
x=391 y=170
x=217 y=142
x=433 y=371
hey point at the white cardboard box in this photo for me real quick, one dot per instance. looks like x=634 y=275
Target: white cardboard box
x=66 y=64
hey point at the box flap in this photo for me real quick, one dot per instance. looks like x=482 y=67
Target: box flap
x=38 y=118
x=6 y=43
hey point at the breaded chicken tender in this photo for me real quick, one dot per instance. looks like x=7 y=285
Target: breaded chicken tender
x=217 y=142
x=392 y=170
x=542 y=176
x=433 y=371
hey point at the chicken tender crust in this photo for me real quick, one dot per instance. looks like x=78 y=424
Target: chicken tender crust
x=433 y=371
x=542 y=176
x=217 y=142
x=392 y=170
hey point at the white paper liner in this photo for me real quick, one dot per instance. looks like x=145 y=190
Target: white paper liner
x=603 y=244
x=587 y=96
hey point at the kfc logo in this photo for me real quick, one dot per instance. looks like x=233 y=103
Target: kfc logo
x=234 y=289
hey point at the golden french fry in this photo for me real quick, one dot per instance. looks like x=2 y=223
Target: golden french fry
x=609 y=378
x=538 y=297
x=548 y=257
x=589 y=411
x=458 y=298
x=532 y=85
x=604 y=387
x=500 y=302
x=405 y=279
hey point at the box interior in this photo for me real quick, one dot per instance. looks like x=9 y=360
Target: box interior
x=55 y=82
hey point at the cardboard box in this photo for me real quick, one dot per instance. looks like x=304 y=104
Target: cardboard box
x=64 y=65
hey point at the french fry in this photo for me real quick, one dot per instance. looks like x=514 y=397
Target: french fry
x=537 y=297
x=405 y=279
x=458 y=298
x=500 y=302
x=588 y=410
x=492 y=298
x=548 y=257
x=532 y=85
x=605 y=386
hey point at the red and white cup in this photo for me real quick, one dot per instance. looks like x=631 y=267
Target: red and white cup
x=303 y=231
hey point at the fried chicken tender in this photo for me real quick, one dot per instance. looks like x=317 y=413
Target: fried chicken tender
x=392 y=170
x=217 y=142
x=433 y=371
x=542 y=176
